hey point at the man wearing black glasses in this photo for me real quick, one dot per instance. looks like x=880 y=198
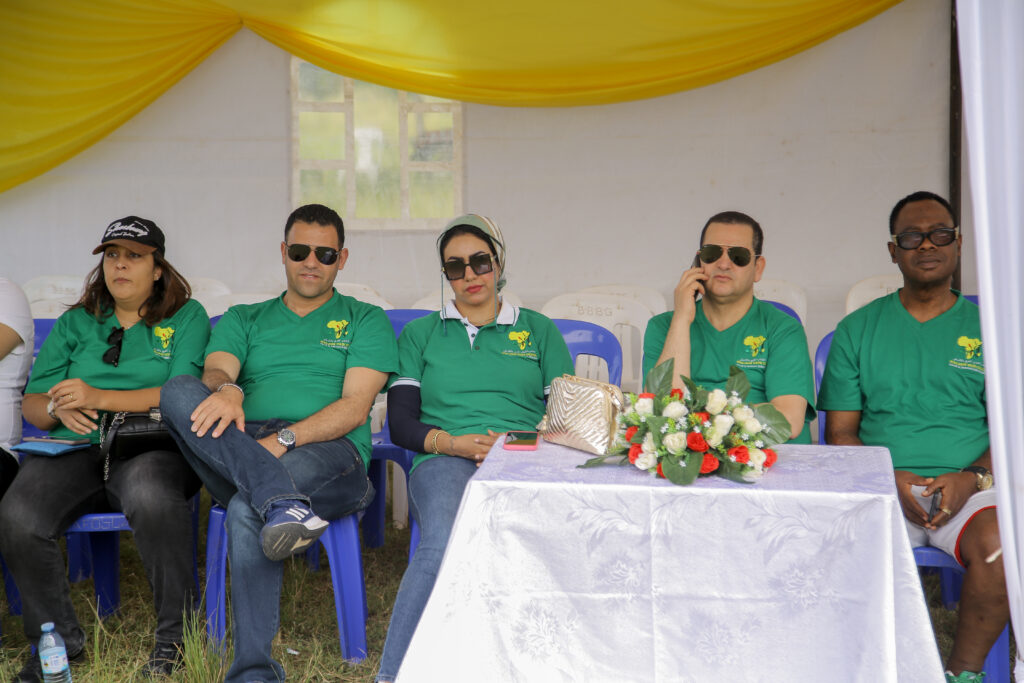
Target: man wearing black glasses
x=277 y=429
x=728 y=326
x=907 y=371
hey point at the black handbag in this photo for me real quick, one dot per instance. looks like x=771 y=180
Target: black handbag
x=130 y=434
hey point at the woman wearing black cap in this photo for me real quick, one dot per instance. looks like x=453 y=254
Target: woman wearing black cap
x=134 y=327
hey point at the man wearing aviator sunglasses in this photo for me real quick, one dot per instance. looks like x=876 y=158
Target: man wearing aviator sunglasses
x=277 y=429
x=907 y=371
x=729 y=326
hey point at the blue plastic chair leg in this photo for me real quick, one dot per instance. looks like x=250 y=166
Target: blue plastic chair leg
x=79 y=558
x=997 y=663
x=215 y=595
x=106 y=553
x=375 y=517
x=343 y=553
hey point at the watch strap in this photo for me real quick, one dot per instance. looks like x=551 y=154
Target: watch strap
x=976 y=469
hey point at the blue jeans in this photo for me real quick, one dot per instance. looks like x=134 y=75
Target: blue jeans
x=246 y=479
x=50 y=493
x=435 y=492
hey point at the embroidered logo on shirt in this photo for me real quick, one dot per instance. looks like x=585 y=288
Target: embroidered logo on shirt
x=339 y=327
x=972 y=347
x=756 y=344
x=972 y=358
x=522 y=338
x=164 y=334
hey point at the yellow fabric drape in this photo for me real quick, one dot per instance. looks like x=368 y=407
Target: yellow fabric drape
x=71 y=71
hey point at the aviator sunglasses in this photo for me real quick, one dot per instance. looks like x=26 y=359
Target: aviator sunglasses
x=940 y=237
x=300 y=252
x=113 y=354
x=710 y=253
x=455 y=269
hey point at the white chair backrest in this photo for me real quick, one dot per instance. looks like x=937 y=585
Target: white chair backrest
x=649 y=297
x=50 y=308
x=66 y=288
x=869 y=289
x=432 y=301
x=626 y=318
x=364 y=293
x=207 y=288
x=218 y=304
x=785 y=292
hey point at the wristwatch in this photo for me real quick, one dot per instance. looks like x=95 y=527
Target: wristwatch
x=984 y=476
x=286 y=438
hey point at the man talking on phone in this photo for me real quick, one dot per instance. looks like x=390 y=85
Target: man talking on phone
x=907 y=371
x=717 y=323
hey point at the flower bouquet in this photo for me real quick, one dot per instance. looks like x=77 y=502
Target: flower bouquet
x=679 y=435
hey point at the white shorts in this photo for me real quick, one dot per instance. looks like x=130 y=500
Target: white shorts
x=947 y=536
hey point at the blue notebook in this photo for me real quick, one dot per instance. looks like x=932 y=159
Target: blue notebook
x=49 y=448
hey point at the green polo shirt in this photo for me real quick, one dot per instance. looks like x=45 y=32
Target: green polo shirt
x=768 y=345
x=920 y=387
x=149 y=355
x=294 y=366
x=496 y=377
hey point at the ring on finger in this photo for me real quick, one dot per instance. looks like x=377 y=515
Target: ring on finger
x=949 y=513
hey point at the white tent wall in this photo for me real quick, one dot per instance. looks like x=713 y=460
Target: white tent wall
x=992 y=59
x=817 y=147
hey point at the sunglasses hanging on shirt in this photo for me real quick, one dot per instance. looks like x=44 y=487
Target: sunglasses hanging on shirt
x=113 y=354
x=300 y=252
x=455 y=269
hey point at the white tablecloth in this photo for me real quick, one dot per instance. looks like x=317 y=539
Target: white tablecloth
x=555 y=573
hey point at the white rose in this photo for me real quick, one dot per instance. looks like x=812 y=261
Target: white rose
x=757 y=457
x=675 y=442
x=714 y=437
x=675 y=410
x=723 y=423
x=742 y=414
x=716 y=401
x=646 y=461
x=644 y=406
x=751 y=426
x=734 y=401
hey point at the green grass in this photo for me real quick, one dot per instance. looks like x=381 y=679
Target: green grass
x=307 y=644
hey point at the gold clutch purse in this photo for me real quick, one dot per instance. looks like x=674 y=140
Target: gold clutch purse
x=581 y=414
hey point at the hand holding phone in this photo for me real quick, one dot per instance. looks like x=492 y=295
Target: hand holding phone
x=521 y=441
x=936 y=505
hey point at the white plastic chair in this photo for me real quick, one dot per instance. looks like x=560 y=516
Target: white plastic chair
x=869 y=289
x=785 y=292
x=364 y=293
x=649 y=297
x=206 y=289
x=626 y=318
x=432 y=301
x=50 y=308
x=218 y=304
x=64 y=288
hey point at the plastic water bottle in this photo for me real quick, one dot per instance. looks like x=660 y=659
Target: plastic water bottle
x=53 y=656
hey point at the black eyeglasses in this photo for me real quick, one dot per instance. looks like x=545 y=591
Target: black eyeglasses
x=710 y=253
x=455 y=269
x=300 y=252
x=940 y=237
x=113 y=354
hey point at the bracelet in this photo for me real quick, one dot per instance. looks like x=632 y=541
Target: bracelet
x=50 y=410
x=235 y=386
x=433 y=442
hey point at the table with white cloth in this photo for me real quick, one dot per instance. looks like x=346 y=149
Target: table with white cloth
x=557 y=573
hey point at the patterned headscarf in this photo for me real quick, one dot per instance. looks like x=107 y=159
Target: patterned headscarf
x=490 y=229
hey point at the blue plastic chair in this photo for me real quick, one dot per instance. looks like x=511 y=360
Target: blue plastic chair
x=42 y=326
x=997 y=663
x=341 y=540
x=820 y=359
x=785 y=309
x=590 y=339
x=100 y=557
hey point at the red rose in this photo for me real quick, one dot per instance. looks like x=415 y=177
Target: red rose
x=703 y=417
x=630 y=433
x=650 y=396
x=740 y=454
x=660 y=472
x=695 y=442
x=770 y=457
x=710 y=464
x=634 y=453
x=677 y=393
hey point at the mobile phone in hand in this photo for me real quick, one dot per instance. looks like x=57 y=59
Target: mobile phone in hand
x=521 y=441
x=936 y=504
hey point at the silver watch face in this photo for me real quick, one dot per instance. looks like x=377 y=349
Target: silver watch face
x=286 y=437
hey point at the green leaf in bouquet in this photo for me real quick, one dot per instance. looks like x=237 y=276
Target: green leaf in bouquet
x=700 y=398
x=691 y=392
x=659 y=378
x=737 y=382
x=600 y=460
x=677 y=471
x=776 y=426
x=732 y=471
x=654 y=424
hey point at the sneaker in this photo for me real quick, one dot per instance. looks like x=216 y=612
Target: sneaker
x=965 y=677
x=291 y=527
x=164 y=659
x=32 y=672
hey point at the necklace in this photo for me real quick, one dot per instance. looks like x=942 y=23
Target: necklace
x=480 y=324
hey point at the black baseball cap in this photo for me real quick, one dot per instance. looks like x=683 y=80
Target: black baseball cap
x=133 y=232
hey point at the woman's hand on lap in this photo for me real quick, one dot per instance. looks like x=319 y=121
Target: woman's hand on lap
x=473 y=446
x=74 y=394
x=78 y=420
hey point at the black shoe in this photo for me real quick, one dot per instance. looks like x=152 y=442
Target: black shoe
x=32 y=672
x=164 y=659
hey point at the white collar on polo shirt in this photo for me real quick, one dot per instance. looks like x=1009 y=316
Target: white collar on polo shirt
x=508 y=315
